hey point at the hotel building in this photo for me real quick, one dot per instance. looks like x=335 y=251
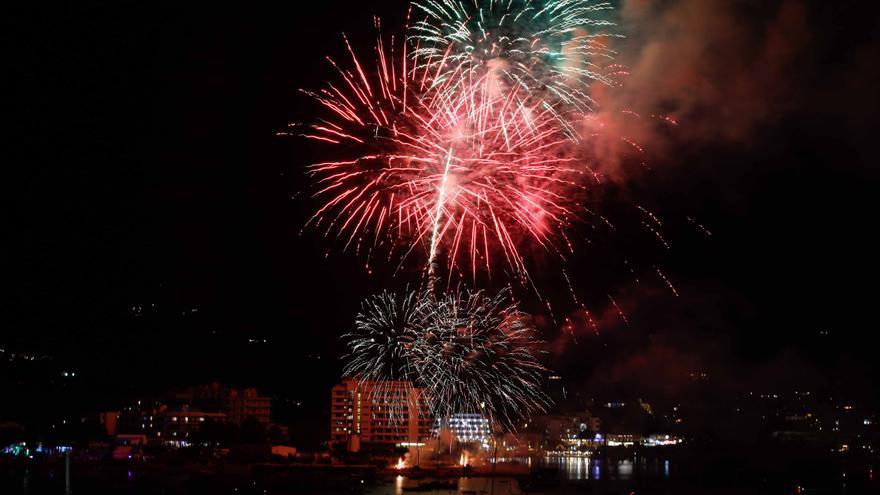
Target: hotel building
x=390 y=412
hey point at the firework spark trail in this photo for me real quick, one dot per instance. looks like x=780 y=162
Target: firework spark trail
x=699 y=226
x=435 y=230
x=619 y=311
x=476 y=171
x=469 y=352
x=666 y=280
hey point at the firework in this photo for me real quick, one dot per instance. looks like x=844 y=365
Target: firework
x=380 y=346
x=477 y=354
x=473 y=173
x=468 y=351
x=382 y=337
x=547 y=50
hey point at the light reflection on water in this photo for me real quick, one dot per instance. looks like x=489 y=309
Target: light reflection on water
x=569 y=468
x=588 y=468
x=499 y=486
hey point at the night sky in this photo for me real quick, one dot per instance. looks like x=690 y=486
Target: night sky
x=153 y=216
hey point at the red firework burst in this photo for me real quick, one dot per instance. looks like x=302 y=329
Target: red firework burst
x=468 y=168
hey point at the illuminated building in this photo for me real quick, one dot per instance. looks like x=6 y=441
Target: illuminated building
x=387 y=412
x=175 y=418
x=469 y=428
x=622 y=439
x=658 y=440
x=181 y=424
x=160 y=422
x=573 y=432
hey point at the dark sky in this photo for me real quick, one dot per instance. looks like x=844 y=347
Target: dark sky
x=142 y=167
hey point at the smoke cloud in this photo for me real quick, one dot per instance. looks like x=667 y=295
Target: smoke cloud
x=699 y=71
